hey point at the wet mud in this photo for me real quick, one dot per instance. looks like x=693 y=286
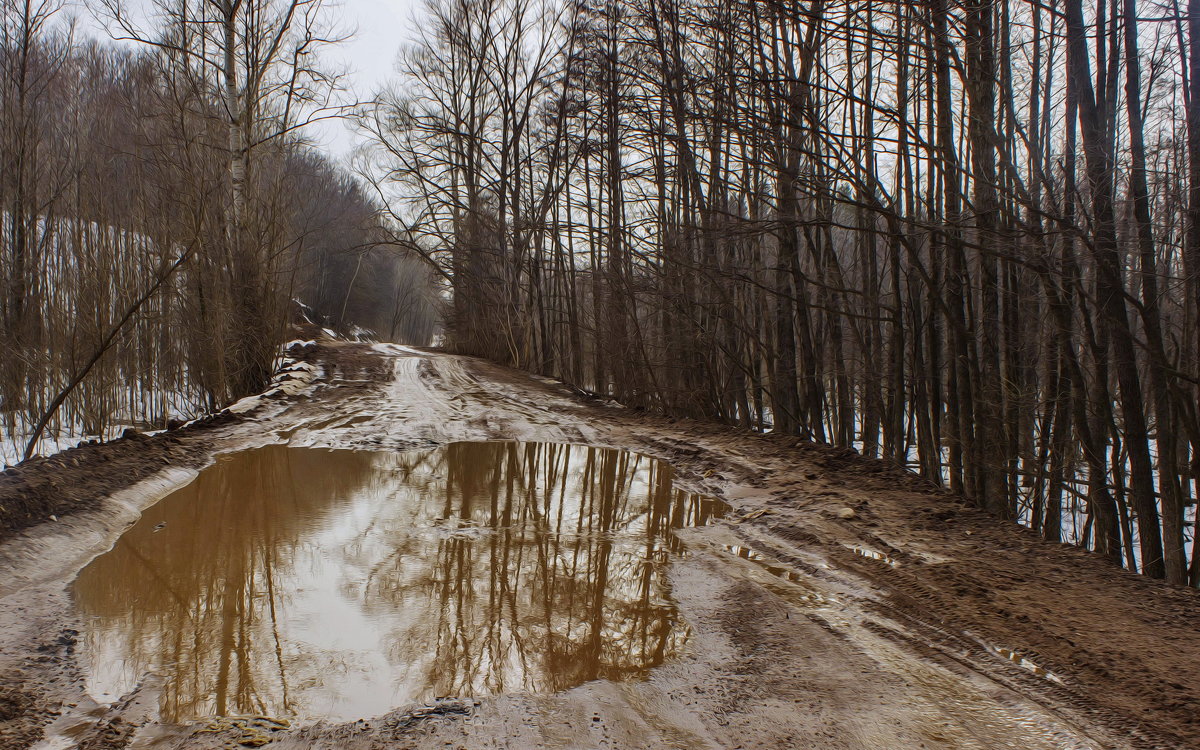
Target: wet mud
x=579 y=589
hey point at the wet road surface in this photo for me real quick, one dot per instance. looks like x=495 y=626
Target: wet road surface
x=545 y=593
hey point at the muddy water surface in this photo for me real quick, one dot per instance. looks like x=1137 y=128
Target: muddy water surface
x=336 y=584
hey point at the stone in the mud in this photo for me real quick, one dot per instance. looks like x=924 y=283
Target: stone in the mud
x=846 y=514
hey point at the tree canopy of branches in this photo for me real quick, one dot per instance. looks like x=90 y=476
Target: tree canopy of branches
x=147 y=261
x=960 y=235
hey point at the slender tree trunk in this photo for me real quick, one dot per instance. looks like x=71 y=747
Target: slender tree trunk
x=1093 y=121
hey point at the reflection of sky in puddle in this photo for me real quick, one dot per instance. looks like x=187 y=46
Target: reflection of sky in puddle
x=754 y=555
x=1017 y=658
x=807 y=593
x=337 y=584
x=873 y=555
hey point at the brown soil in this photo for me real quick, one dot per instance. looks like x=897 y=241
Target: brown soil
x=914 y=621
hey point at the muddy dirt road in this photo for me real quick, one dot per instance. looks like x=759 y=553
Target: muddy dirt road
x=838 y=603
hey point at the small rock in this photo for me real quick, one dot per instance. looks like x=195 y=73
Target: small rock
x=846 y=514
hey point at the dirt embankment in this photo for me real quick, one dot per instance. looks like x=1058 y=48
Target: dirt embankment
x=846 y=604
x=73 y=480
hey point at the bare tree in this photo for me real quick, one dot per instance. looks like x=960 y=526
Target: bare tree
x=933 y=232
x=259 y=59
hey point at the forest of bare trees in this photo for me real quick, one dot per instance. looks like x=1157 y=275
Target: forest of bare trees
x=161 y=208
x=961 y=236
x=964 y=237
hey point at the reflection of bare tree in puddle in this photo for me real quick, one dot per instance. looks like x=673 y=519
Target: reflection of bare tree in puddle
x=475 y=569
x=195 y=587
x=567 y=586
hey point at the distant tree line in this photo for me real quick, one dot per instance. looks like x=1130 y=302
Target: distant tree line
x=159 y=209
x=961 y=235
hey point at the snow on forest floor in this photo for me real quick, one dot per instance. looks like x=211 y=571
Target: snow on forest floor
x=292 y=377
x=841 y=604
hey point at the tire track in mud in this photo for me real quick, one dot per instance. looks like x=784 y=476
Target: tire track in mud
x=941 y=664
x=460 y=402
x=892 y=611
x=895 y=606
x=880 y=630
x=907 y=599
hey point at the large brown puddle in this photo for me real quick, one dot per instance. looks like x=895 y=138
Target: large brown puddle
x=308 y=583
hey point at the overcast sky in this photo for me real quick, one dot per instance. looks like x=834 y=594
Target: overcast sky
x=382 y=27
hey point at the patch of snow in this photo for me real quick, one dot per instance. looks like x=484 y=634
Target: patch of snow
x=395 y=349
x=291 y=379
x=290 y=388
x=358 y=333
x=248 y=404
x=305 y=311
x=297 y=367
x=12 y=447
